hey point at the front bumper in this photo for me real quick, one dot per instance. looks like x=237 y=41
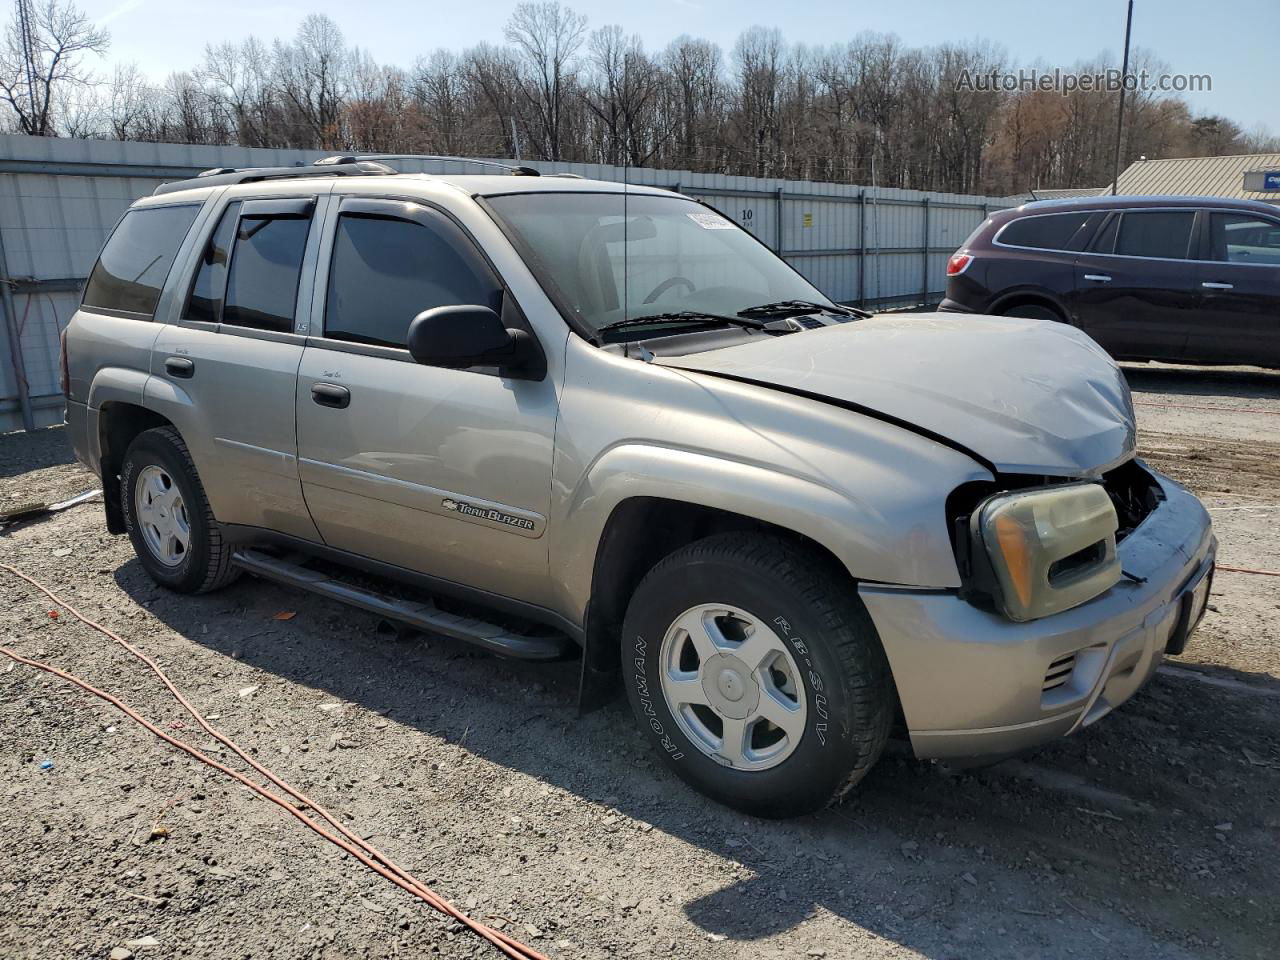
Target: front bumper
x=974 y=684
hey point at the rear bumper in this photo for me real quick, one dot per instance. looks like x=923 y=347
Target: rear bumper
x=79 y=432
x=974 y=684
x=953 y=306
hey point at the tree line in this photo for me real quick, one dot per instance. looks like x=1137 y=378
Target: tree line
x=868 y=110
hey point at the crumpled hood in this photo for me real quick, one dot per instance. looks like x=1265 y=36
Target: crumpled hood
x=1029 y=396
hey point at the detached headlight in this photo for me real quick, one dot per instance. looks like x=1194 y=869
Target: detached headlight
x=1050 y=549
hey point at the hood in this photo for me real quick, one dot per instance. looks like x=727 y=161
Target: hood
x=1027 y=396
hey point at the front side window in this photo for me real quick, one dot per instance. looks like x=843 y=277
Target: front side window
x=1044 y=232
x=1239 y=238
x=611 y=256
x=131 y=271
x=1163 y=234
x=385 y=271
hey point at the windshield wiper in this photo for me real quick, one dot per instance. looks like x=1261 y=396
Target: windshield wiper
x=694 y=316
x=794 y=308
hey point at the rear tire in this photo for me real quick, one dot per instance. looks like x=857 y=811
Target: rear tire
x=809 y=658
x=1034 y=311
x=167 y=515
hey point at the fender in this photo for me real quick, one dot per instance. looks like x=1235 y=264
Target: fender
x=110 y=385
x=874 y=545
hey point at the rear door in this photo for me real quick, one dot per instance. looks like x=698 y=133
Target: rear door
x=1240 y=291
x=1137 y=291
x=443 y=472
x=226 y=373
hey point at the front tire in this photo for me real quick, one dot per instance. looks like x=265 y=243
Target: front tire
x=168 y=518
x=755 y=671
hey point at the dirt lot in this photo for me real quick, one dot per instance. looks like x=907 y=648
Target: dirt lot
x=1152 y=834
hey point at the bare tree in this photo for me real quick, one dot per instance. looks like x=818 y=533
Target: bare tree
x=547 y=37
x=36 y=78
x=312 y=75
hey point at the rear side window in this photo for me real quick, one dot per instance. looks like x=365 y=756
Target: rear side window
x=1045 y=232
x=1163 y=234
x=1239 y=238
x=131 y=271
x=386 y=271
x=266 y=264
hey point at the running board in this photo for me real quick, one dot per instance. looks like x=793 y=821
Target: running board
x=424 y=616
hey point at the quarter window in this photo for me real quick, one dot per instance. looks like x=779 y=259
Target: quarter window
x=131 y=271
x=262 y=284
x=385 y=271
x=1157 y=233
x=1048 y=232
x=211 y=276
x=1243 y=239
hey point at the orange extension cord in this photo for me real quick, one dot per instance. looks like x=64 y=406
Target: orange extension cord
x=348 y=841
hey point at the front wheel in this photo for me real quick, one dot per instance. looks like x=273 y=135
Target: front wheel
x=757 y=674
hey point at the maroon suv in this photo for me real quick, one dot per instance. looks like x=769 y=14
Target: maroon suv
x=1182 y=279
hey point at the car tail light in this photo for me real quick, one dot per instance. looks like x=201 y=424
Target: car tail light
x=958 y=264
x=64 y=369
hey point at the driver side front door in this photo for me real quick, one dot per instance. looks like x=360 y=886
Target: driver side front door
x=439 y=471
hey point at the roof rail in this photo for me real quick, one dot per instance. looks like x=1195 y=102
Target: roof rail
x=329 y=167
x=339 y=165
x=515 y=169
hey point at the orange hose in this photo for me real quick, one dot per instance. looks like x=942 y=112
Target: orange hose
x=1260 y=573
x=349 y=841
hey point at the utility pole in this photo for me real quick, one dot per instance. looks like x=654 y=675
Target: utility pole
x=26 y=35
x=1124 y=76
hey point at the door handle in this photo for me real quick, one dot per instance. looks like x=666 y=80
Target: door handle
x=1218 y=286
x=1099 y=277
x=179 y=367
x=330 y=395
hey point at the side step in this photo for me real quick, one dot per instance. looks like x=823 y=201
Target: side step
x=423 y=616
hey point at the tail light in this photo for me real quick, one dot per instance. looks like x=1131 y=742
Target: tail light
x=958 y=264
x=64 y=369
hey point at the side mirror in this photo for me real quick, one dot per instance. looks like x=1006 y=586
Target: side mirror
x=468 y=335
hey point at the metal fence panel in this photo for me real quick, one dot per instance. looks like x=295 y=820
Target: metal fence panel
x=59 y=198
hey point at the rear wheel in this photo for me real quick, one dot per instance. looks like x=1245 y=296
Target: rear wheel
x=168 y=518
x=757 y=674
x=1034 y=311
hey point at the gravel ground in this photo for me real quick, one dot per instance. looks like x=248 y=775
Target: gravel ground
x=1152 y=834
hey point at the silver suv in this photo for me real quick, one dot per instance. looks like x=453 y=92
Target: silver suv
x=557 y=417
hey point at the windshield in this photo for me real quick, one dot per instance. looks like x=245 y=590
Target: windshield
x=659 y=256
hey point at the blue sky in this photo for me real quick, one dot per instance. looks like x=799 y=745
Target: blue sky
x=1232 y=40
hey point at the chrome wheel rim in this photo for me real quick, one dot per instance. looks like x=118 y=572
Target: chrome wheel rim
x=733 y=687
x=161 y=516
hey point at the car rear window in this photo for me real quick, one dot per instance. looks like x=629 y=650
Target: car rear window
x=1163 y=234
x=132 y=268
x=1044 y=231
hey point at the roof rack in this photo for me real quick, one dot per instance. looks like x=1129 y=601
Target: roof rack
x=340 y=165
x=226 y=176
x=515 y=169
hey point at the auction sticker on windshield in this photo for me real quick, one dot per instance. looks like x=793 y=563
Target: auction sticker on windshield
x=710 y=221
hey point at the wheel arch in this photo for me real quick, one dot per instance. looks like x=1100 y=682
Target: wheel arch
x=1040 y=298
x=639 y=533
x=119 y=423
